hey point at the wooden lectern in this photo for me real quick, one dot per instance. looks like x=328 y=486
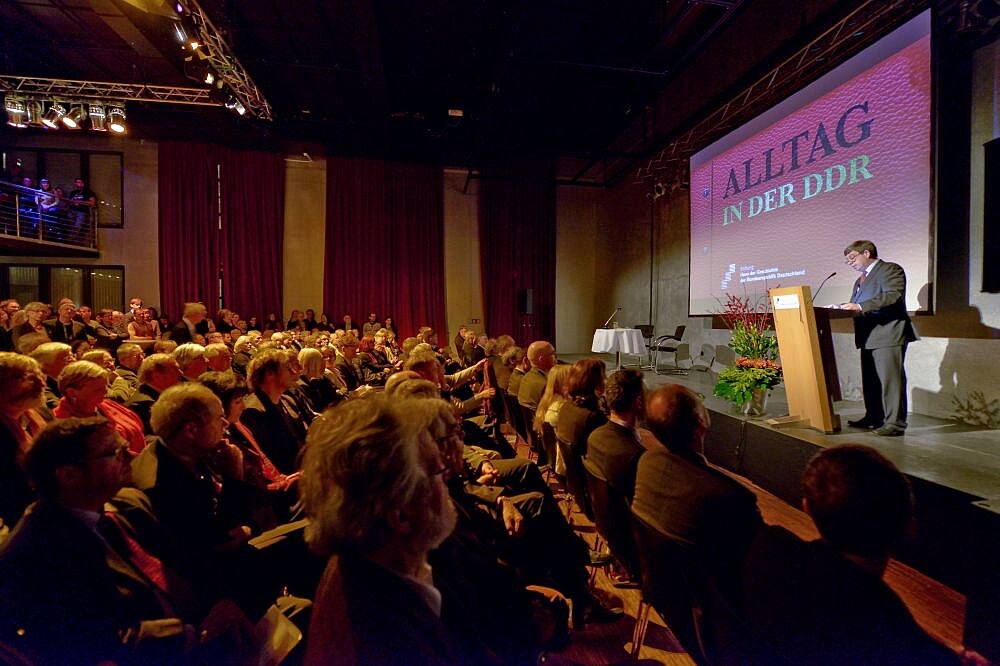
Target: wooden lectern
x=809 y=401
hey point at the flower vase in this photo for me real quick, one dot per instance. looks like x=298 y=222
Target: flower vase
x=757 y=404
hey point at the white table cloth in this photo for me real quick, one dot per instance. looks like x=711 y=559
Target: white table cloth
x=618 y=340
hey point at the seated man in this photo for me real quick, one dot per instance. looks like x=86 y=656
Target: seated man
x=130 y=357
x=52 y=357
x=157 y=373
x=542 y=356
x=373 y=486
x=82 y=581
x=194 y=480
x=680 y=494
x=614 y=448
x=274 y=422
x=190 y=358
x=824 y=601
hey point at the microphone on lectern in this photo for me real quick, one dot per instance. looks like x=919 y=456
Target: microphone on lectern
x=821 y=285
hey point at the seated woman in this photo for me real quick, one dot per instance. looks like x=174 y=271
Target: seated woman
x=551 y=403
x=324 y=324
x=222 y=321
x=83 y=385
x=371 y=371
x=319 y=390
x=272 y=323
x=21 y=385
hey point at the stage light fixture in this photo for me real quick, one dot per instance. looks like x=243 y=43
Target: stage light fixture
x=116 y=119
x=34 y=111
x=55 y=112
x=16 y=111
x=180 y=33
x=209 y=77
x=75 y=117
x=97 y=118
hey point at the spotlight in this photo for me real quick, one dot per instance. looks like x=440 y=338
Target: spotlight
x=116 y=119
x=56 y=111
x=97 y=118
x=180 y=33
x=209 y=77
x=75 y=117
x=34 y=113
x=16 y=112
x=234 y=104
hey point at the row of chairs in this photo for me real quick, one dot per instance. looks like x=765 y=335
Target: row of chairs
x=710 y=358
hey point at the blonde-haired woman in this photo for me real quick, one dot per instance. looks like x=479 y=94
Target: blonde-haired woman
x=83 y=385
x=549 y=405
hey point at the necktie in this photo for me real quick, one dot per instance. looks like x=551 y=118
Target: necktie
x=861 y=280
x=125 y=544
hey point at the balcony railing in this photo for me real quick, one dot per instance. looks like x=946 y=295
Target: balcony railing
x=27 y=214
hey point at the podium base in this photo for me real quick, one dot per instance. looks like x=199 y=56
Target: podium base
x=796 y=420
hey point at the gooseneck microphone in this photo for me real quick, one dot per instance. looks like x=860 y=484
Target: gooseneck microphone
x=822 y=284
x=617 y=310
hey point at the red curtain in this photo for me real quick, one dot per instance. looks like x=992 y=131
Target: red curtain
x=190 y=247
x=385 y=243
x=517 y=248
x=246 y=251
x=253 y=223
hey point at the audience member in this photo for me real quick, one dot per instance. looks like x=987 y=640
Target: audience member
x=279 y=430
x=157 y=373
x=191 y=360
x=84 y=385
x=83 y=201
x=34 y=313
x=130 y=357
x=218 y=357
x=119 y=390
x=104 y=331
x=85 y=577
x=21 y=384
x=185 y=330
x=581 y=414
x=824 y=601
x=613 y=449
x=52 y=357
x=373 y=487
x=680 y=494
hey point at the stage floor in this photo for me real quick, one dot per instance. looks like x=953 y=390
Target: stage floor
x=962 y=457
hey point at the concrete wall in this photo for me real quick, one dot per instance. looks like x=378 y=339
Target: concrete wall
x=135 y=245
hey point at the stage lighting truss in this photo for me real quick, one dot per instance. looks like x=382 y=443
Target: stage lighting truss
x=215 y=52
x=74 y=119
x=116 y=119
x=97 y=118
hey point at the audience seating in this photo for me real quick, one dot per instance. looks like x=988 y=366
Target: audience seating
x=611 y=515
x=676 y=583
x=576 y=477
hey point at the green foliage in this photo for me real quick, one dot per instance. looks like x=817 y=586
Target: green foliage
x=737 y=383
x=753 y=343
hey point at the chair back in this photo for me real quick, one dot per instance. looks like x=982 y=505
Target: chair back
x=646 y=330
x=549 y=443
x=676 y=581
x=576 y=479
x=534 y=438
x=611 y=515
x=515 y=418
x=679 y=332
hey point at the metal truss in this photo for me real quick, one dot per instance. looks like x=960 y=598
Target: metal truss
x=220 y=57
x=846 y=37
x=103 y=91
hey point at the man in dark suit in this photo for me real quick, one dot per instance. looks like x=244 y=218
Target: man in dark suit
x=86 y=577
x=185 y=330
x=157 y=373
x=680 y=494
x=64 y=328
x=882 y=330
x=613 y=449
x=824 y=601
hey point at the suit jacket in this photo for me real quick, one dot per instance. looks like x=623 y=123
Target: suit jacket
x=141 y=403
x=576 y=422
x=57 y=331
x=179 y=333
x=810 y=605
x=678 y=493
x=280 y=433
x=15 y=489
x=531 y=389
x=364 y=614
x=614 y=451
x=883 y=321
x=70 y=593
x=349 y=372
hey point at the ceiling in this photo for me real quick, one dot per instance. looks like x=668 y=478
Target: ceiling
x=564 y=79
